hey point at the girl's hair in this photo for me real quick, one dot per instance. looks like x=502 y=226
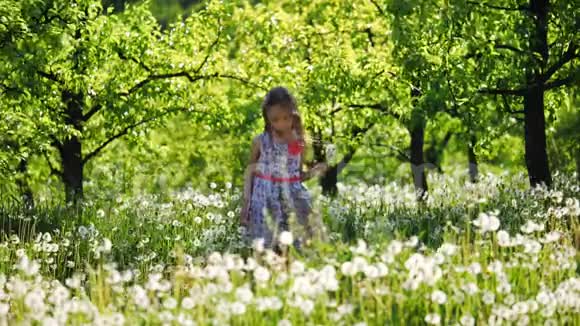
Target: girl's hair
x=282 y=97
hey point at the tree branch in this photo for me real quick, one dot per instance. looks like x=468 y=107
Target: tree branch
x=447 y=138
x=49 y=75
x=345 y=160
x=563 y=81
x=453 y=110
x=568 y=56
x=381 y=11
x=55 y=142
x=403 y=156
x=573 y=77
x=151 y=78
x=46 y=19
x=509 y=47
x=53 y=170
x=242 y=80
x=127 y=129
x=209 y=50
x=5 y=89
x=487 y=5
x=191 y=78
x=92 y=112
x=379 y=107
x=370 y=36
x=337 y=108
x=140 y=63
x=496 y=91
x=517 y=50
x=348 y=156
x=507 y=106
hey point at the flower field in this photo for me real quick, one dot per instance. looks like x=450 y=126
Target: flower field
x=483 y=254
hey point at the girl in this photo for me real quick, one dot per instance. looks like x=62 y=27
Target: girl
x=273 y=184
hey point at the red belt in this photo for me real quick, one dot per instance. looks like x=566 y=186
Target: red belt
x=275 y=179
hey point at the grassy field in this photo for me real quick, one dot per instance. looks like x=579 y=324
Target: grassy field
x=485 y=254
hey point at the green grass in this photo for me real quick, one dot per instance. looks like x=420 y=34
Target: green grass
x=381 y=258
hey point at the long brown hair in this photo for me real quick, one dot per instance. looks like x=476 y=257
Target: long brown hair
x=282 y=97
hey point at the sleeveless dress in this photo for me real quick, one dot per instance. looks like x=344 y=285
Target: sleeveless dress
x=277 y=190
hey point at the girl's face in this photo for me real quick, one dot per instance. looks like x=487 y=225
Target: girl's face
x=280 y=118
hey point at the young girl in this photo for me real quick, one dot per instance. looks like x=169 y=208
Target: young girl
x=273 y=184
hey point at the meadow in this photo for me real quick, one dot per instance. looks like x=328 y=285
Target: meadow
x=490 y=253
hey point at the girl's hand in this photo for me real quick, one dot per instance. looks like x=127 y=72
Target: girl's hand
x=319 y=168
x=245 y=214
x=315 y=171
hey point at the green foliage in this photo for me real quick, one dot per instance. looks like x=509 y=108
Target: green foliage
x=98 y=77
x=564 y=136
x=140 y=259
x=351 y=66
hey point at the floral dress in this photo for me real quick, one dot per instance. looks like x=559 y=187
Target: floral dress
x=277 y=190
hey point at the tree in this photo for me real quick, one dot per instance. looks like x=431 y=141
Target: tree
x=86 y=79
x=327 y=54
x=528 y=50
x=418 y=30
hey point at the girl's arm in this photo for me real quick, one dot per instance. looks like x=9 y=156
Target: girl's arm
x=314 y=171
x=304 y=175
x=248 y=178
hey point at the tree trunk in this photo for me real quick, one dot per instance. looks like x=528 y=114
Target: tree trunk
x=417 y=132
x=25 y=190
x=578 y=165
x=534 y=119
x=72 y=169
x=535 y=137
x=328 y=182
x=71 y=150
x=329 y=179
x=417 y=164
x=473 y=167
x=433 y=155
